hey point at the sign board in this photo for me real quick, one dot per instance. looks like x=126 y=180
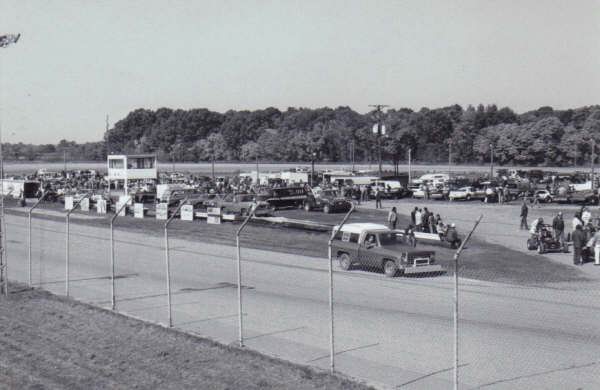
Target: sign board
x=187 y=212
x=68 y=203
x=162 y=211
x=214 y=215
x=101 y=206
x=138 y=210
x=120 y=204
x=85 y=204
x=382 y=129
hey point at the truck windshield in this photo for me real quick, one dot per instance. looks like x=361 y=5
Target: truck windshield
x=387 y=239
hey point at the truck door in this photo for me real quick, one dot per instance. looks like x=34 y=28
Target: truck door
x=367 y=251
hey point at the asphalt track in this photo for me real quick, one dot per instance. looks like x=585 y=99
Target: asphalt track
x=395 y=333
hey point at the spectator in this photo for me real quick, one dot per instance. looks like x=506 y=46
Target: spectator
x=413 y=217
x=595 y=242
x=578 y=243
x=392 y=218
x=377 y=198
x=524 y=212
x=576 y=221
x=425 y=220
x=452 y=236
x=586 y=216
x=431 y=223
x=419 y=220
x=558 y=224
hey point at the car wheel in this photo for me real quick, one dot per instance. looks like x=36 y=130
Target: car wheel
x=326 y=209
x=307 y=207
x=468 y=197
x=541 y=248
x=390 y=268
x=344 y=261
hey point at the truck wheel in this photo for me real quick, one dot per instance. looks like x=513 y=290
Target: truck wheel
x=390 y=268
x=326 y=209
x=344 y=261
x=307 y=206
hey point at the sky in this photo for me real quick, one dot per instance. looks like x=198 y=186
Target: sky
x=78 y=61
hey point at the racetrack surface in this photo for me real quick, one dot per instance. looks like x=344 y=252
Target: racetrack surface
x=395 y=333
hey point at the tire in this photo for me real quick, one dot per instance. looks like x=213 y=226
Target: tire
x=565 y=248
x=541 y=248
x=344 y=261
x=243 y=212
x=531 y=244
x=307 y=207
x=326 y=209
x=468 y=197
x=390 y=269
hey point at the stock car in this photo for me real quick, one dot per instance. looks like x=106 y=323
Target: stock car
x=376 y=246
x=328 y=201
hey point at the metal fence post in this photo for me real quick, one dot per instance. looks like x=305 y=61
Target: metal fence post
x=113 y=303
x=67 y=217
x=29 y=235
x=239 y=277
x=168 y=261
x=331 y=312
x=456 y=256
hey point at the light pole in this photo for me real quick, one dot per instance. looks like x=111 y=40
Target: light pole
x=449 y=158
x=491 y=161
x=5 y=41
x=592 y=162
x=379 y=130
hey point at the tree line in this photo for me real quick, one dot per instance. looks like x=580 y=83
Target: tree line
x=536 y=138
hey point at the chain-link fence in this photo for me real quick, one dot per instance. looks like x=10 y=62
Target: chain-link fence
x=392 y=332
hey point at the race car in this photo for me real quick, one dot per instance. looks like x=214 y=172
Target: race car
x=543 y=241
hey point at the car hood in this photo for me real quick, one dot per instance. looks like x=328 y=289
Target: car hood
x=397 y=250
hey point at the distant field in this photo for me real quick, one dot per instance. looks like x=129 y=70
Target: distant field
x=222 y=168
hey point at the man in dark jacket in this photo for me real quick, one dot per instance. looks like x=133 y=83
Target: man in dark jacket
x=524 y=212
x=412 y=216
x=579 y=242
x=558 y=224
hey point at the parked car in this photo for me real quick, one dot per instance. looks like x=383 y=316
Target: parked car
x=376 y=246
x=327 y=200
x=543 y=196
x=466 y=193
x=241 y=204
x=585 y=197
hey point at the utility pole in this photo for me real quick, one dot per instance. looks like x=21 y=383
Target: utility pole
x=409 y=166
x=491 y=161
x=257 y=173
x=107 y=138
x=65 y=161
x=592 y=162
x=378 y=108
x=449 y=158
x=353 y=155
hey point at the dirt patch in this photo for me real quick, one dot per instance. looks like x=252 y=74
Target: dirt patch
x=49 y=342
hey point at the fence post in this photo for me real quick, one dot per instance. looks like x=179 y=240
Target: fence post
x=336 y=229
x=67 y=217
x=456 y=256
x=29 y=234
x=239 y=276
x=168 y=261
x=113 y=303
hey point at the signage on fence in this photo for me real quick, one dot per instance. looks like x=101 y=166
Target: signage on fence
x=101 y=206
x=214 y=215
x=68 y=203
x=138 y=210
x=187 y=212
x=120 y=204
x=85 y=204
x=162 y=211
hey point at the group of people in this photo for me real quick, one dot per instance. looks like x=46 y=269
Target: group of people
x=585 y=231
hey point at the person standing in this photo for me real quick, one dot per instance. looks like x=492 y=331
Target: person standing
x=558 y=224
x=419 y=220
x=377 y=198
x=578 y=238
x=524 y=212
x=586 y=216
x=392 y=218
x=413 y=217
x=595 y=241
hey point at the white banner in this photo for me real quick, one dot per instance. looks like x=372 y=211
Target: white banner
x=68 y=203
x=162 y=211
x=120 y=204
x=85 y=204
x=101 y=206
x=138 y=210
x=187 y=212
x=213 y=219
